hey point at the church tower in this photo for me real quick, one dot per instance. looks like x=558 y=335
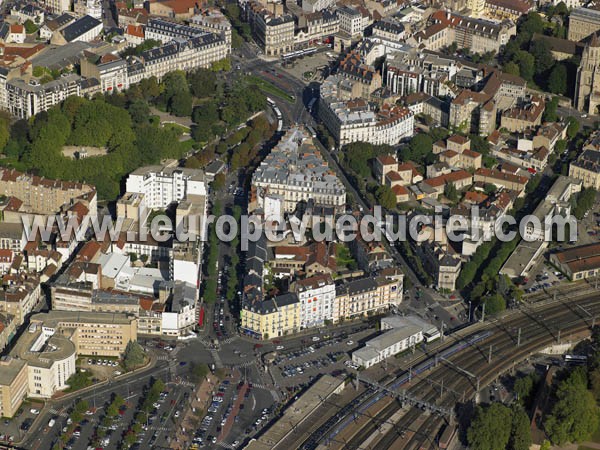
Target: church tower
x=587 y=88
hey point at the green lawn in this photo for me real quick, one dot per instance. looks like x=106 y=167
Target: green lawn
x=270 y=88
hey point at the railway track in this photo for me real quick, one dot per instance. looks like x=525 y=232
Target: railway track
x=545 y=324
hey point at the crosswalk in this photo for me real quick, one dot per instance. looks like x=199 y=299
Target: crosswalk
x=242 y=365
x=58 y=413
x=230 y=339
x=163 y=357
x=225 y=445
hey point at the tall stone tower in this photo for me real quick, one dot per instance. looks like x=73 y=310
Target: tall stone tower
x=587 y=89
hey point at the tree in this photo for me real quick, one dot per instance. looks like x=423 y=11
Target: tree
x=575 y=414
x=532 y=24
x=542 y=56
x=520 y=436
x=489 y=188
x=180 y=104
x=490 y=428
x=420 y=146
x=557 y=81
x=219 y=182
x=550 y=114
x=134 y=355
x=512 y=68
x=202 y=82
x=199 y=372
x=526 y=64
x=139 y=111
x=494 y=304
x=573 y=127
x=206 y=114
x=450 y=192
x=386 y=197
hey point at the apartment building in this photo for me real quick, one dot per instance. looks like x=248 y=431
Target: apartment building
x=212 y=20
x=199 y=51
x=473 y=112
x=354 y=121
x=524 y=116
x=354 y=70
x=295 y=172
x=272 y=29
x=316 y=295
x=316 y=26
x=57 y=6
x=369 y=295
x=389 y=30
x=507 y=9
x=586 y=168
x=583 y=22
x=479 y=36
x=45 y=196
x=313 y=6
x=20 y=295
x=165 y=184
x=353 y=20
x=165 y=31
x=27 y=98
x=13 y=385
x=92 y=8
x=500 y=179
x=271 y=318
x=109 y=69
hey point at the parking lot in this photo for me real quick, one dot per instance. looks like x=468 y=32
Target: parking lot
x=294 y=368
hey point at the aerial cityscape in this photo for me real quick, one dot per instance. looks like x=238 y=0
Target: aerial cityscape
x=310 y=224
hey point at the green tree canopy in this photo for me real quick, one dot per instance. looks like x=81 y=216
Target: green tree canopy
x=490 y=428
x=557 y=81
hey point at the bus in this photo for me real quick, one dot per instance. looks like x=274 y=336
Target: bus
x=311 y=104
x=270 y=101
x=312 y=131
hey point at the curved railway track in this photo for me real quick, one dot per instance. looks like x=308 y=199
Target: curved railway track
x=536 y=332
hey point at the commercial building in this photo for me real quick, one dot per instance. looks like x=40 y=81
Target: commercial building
x=579 y=262
x=295 y=172
x=402 y=333
x=85 y=29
